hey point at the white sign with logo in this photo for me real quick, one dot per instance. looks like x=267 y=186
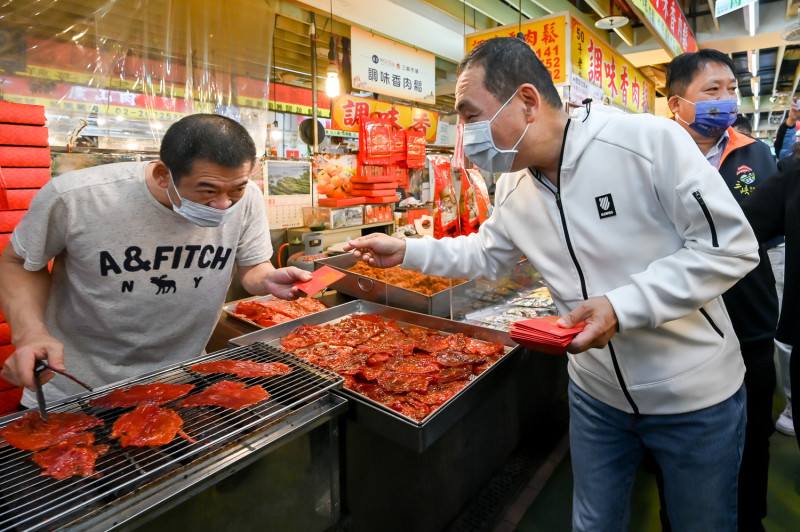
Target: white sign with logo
x=723 y=7
x=390 y=68
x=580 y=89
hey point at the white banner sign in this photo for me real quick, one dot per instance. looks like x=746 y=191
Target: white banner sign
x=390 y=68
x=580 y=89
x=726 y=6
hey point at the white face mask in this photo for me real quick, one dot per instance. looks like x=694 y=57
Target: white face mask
x=198 y=214
x=479 y=145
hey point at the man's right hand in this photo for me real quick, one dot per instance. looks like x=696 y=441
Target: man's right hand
x=378 y=249
x=18 y=369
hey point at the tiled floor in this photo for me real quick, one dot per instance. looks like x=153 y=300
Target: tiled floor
x=545 y=505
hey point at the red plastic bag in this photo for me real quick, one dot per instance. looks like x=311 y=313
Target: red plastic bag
x=445 y=210
x=398 y=146
x=415 y=149
x=375 y=141
x=475 y=203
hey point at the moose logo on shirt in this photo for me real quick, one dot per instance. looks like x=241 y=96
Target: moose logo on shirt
x=164 y=285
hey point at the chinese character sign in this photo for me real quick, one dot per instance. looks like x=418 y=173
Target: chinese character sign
x=668 y=21
x=390 y=68
x=603 y=67
x=347 y=110
x=547 y=37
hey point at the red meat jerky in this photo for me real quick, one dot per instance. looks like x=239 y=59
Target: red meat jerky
x=227 y=394
x=157 y=392
x=31 y=433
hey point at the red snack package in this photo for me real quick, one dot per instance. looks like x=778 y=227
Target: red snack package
x=415 y=149
x=445 y=212
x=398 y=145
x=375 y=141
x=399 y=172
x=475 y=203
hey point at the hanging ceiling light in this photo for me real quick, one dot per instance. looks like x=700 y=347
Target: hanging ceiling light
x=611 y=21
x=332 y=80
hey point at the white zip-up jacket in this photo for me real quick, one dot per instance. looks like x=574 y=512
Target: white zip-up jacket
x=640 y=217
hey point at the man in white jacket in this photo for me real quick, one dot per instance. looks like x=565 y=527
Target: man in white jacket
x=635 y=234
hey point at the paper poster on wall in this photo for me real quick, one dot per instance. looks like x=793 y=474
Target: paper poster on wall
x=332 y=174
x=287 y=189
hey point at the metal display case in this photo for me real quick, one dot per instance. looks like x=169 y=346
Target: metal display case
x=376 y=291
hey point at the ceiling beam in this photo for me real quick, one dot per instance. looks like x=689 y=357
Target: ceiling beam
x=494 y=10
x=732 y=37
x=778 y=63
x=713 y=16
x=459 y=11
x=410 y=22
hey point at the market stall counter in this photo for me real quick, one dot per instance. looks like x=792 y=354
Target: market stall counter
x=400 y=473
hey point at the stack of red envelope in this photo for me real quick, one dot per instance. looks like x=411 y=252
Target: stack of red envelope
x=542 y=334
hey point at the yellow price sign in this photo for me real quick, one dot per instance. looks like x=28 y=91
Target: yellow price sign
x=547 y=37
x=599 y=64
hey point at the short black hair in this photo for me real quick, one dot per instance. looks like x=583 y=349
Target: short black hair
x=743 y=123
x=682 y=70
x=208 y=137
x=507 y=63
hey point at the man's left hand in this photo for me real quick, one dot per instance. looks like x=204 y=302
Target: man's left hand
x=280 y=282
x=601 y=324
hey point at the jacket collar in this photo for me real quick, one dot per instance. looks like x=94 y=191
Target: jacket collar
x=737 y=140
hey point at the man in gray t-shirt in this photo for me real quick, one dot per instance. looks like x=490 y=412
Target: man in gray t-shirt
x=143 y=256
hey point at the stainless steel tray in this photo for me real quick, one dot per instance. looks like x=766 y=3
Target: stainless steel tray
x=412 y=434
x=369 y=289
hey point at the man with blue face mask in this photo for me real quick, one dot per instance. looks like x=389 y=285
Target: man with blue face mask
x=636 y=235
x=143 y=254
x=701 y=89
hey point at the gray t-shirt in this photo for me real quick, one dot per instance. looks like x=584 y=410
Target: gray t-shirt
x=135 y=286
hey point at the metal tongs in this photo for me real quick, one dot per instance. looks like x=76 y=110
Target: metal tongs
x=40 y=366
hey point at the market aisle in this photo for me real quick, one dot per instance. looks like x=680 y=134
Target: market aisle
x=551 y=510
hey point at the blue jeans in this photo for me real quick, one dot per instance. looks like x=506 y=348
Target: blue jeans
x=699 y=453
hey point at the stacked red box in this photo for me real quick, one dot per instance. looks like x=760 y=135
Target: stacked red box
x=24 y=169
x=377 y=189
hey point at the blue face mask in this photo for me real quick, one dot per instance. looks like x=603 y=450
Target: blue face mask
x=712 y=117
x=199 y=214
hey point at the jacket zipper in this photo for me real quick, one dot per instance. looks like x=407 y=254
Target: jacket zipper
x=711 y=322
x=557 y=194
x=709 y=219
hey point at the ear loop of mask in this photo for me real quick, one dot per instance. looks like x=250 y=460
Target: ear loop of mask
x=679 y=117
x=504 y=105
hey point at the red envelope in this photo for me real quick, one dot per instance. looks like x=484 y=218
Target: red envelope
x=542 y=334
x=547 y=326
x=320 y=279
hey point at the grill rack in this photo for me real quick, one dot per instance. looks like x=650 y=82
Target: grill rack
x=30 y=501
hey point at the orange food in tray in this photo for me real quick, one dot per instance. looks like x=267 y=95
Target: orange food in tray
x=410 y=369
x=408 y=279
x=273 y=311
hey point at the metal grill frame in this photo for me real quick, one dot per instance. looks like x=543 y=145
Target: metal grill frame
x=29 y=501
